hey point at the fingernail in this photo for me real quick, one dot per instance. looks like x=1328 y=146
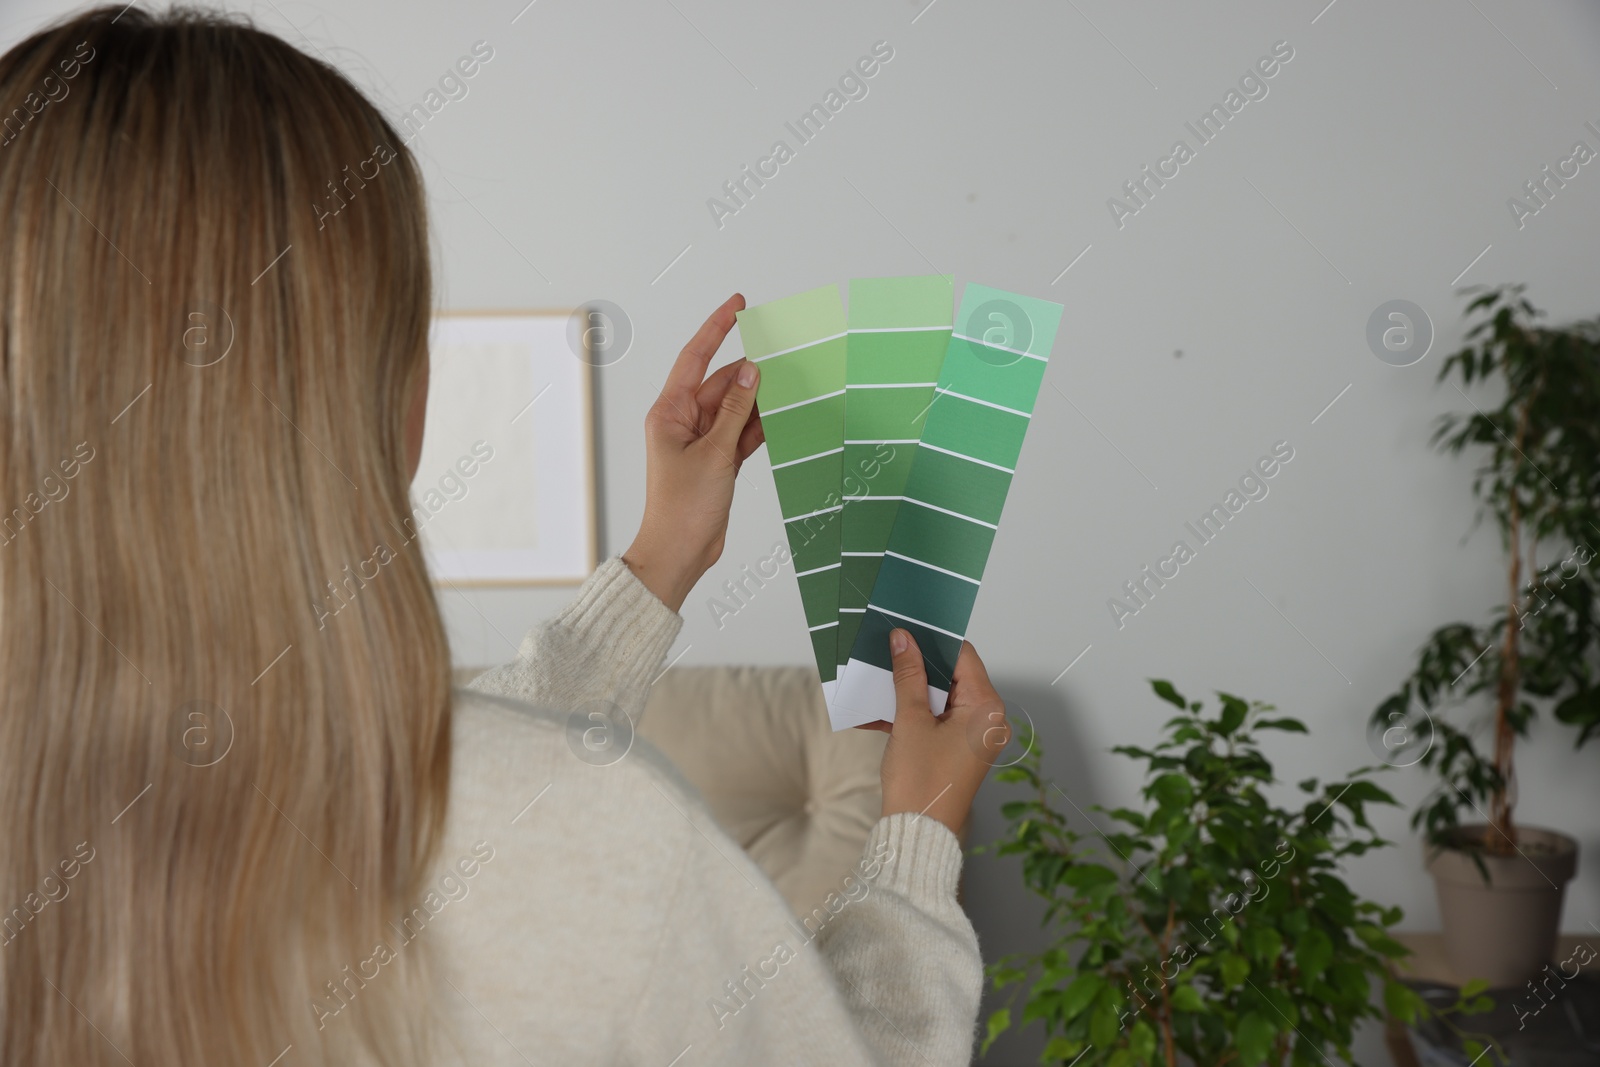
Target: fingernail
x=897 y=641
x=747 y=375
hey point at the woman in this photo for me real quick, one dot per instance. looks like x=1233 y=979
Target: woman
x=241 y=831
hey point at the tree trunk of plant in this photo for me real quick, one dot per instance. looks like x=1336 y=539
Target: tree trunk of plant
x=1502 y=836
x=1168 y=1047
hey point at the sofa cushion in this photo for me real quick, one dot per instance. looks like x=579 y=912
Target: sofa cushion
x=756 y=742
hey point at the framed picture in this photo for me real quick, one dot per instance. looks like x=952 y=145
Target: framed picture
x=505 y=492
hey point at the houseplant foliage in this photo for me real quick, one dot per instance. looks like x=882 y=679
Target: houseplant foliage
x=1540 y=480
x=1211 y=927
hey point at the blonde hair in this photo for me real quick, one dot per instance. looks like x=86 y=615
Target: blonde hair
x=216 y=796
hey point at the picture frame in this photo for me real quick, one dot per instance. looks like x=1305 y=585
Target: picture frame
x=505 y=493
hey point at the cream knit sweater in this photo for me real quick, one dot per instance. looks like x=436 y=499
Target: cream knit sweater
x=597 y=915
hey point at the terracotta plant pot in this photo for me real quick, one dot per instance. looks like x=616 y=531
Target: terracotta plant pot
x=1503 y=930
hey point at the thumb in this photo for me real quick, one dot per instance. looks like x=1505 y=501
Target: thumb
x=734 y=412
x=910 y=679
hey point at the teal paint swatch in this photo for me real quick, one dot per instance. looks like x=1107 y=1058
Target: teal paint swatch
x=961 y=469
x=899 y=330
x=799 y=345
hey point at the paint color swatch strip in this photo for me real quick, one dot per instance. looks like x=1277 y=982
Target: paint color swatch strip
x=899 y=329
x=949 y=511
x=799 y=344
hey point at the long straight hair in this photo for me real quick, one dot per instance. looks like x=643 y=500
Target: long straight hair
x=224 y=739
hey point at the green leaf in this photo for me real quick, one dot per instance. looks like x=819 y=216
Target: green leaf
x=1312 y=953
x=1265 y=943
x=1136 y=819
x=1165 y=691
x=1580 y=709
x=1103 y=1026
x=1186 y=998
x=1253 y=1038
x=1351 y=980
x=1015 y=809
x=1233 y=969
x=1079 y=995
x=1474 y=987
x=1061 y=1048
x=1292 y=725
x=1006 y=976
x=1402 y=1002
x=1172 y=791
x=1233 y=713
x=1379 y=940
x=1361 y=789
x=1142 y=1042
x=999 y=1022
x=1088 y=875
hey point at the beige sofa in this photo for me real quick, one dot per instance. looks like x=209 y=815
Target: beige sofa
x=756 y=743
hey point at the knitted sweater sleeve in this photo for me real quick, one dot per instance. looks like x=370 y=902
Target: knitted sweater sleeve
x=886 y=971
x=606 y=647
x=906 y=957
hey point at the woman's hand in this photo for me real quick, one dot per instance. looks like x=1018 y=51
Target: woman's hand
x=697 y=434
x=934 y=764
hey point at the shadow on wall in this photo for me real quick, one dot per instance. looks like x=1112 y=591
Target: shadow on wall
x=1005 y=914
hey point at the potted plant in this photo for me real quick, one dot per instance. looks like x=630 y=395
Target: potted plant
x=1211 y=927
x=1500 y=885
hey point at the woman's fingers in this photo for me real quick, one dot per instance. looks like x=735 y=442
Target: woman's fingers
x=690 y=369
x=710 y=393
x=933 y=765
x=708 y=405
x=970 y=682
x=753 y=437
x=737 y=408
x=910 y=678
x=708 y=398
x=692 y=438
x=976 y=705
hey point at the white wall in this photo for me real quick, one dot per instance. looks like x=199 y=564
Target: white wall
x=1378 y=167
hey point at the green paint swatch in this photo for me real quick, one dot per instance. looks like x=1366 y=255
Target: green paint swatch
x=949 y=511
x=899 y=331
x=799 y=344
